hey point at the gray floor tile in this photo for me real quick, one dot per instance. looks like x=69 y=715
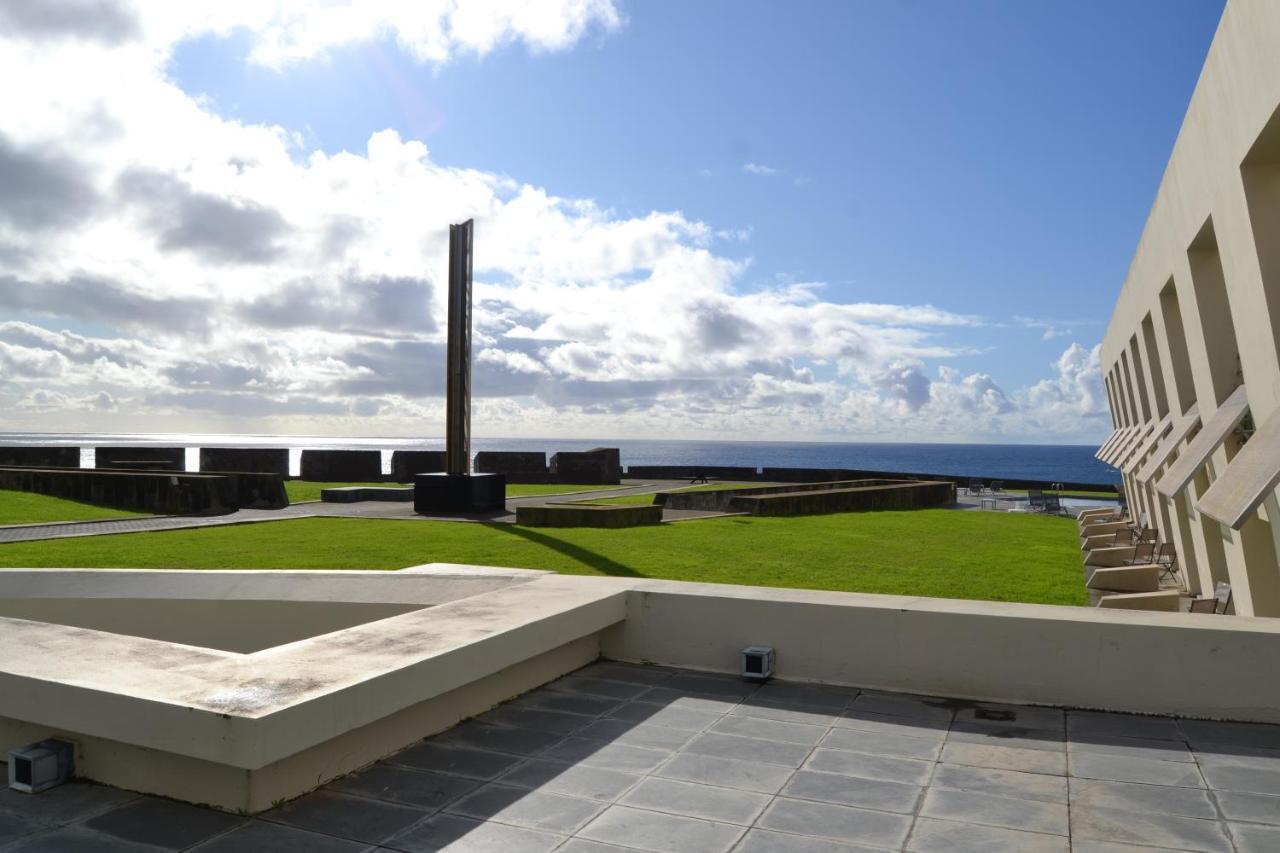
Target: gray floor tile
x=841 y=823
x=598 y=687
x=1119 y=768
x=710 y=684
x=1004 y=783
x=853 y=791
x=1081 y=845
x=582 y=845
x=688 y=719
x=66 y=803
x=635 y=734
x=690 y=799
x=570 y=703
x=990 y=810
x=930 y=835
x=903 y=705
x=615 y=756
x=163 y=823
x=460 y=835
x=807 y=735
x=77 y=839
x=1129 y=827
x=1132 y=747
x=868 y=721
x=1153 y=799
x=420 y=788
x=1006 y=735
x=808 y=695
x=661 y=833
x=458 y=761
x=1005 y=758
x=354 y=818
x=768 y=710
x=1234 y=774
x=575 y=780
x=634 y=673
x=530 y=809
x=1200 y=732
x=748 y=749
x=261 y=836
x=1256 y=839
x=1083 y=724
x=764 y=841
x=867 y=766
x=13 y=827
x=1048 y=720
x=1255 y=808
x=726 y=772
x=882 y=743
x=507 y=739
x=534 y=718
x=670 y=697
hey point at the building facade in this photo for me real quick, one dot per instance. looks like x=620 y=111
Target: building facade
x=1192 y=353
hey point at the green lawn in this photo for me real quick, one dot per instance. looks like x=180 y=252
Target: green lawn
x=993 y=556
x=30 y=508
x=305 y=490
x=632 y=500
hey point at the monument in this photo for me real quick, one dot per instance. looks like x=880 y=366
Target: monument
x=457 y=489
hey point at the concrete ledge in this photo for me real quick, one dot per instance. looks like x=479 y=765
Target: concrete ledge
x=878 y=496
x=139 y=491
x=1165 y=601
x=353 y=494
x=1108 y=558
x=1125 y=578
x=586 y=515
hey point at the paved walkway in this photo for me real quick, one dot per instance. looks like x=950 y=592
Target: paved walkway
x=622 y=758
x=313 y=509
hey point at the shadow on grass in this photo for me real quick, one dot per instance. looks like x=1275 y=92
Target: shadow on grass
x=599 y=562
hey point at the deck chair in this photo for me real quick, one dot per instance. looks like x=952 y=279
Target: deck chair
x=1167 y=558
x=1035 y=500
x=1145 y=549
x=1053 y=504
x=975 y=487
x=997 y=486
x=1217 y=603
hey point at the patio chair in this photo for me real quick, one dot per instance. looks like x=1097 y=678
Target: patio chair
x=997 y=487
x=1167 y=559
x=1053 y=504
x=1217 y=603
x=975 y=487
x=1145 y=549
x=1035 y=500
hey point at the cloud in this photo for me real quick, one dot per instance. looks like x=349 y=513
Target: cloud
x=105 y=21
x=41 y=189
x=759 y=169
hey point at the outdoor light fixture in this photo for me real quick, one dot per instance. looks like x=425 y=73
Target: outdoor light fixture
x=757 y=663
x=40 y=766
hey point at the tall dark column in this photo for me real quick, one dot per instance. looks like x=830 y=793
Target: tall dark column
x=457 y=490
x=458 y=404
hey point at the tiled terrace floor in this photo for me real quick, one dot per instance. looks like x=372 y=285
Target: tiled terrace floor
x=617 y=758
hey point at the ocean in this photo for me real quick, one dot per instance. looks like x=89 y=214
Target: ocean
x=1049 y=462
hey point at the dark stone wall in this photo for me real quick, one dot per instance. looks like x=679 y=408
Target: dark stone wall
x=41 y=457
x=406 y=463
x=513 y=464
x=600 y=466
x=166 y=493
x=578 y=515
x=813 y=475
x=249 y=460
x=256 y=491
x=718 y=500
x=142 y=458
x=857 y=499
x=689 y=472
x=342 y=466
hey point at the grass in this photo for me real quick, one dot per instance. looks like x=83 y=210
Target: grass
x=30 y=508
x=645 y=499
x=305 y=490
x=991 y=556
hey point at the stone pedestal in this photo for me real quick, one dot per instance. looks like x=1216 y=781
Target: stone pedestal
x=437 y=493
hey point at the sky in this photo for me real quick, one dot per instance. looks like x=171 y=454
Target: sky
x=904 y=220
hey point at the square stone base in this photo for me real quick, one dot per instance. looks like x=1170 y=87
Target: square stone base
x=436 y=493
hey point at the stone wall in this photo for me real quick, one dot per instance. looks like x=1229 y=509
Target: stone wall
x=40 y=457
x=251 y=460
x=142 y=491
x=905 y=495
x=406 y=463
x=141 y=458
x=342 y=466
x=585 y=515
x=689 y=472
x=718 y=500
x=519 y=467
x=600 y=466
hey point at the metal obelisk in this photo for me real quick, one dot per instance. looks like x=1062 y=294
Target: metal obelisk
x=457 y=490
x=457 y=430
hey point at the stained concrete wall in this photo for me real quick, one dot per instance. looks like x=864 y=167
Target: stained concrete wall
x=165 y=458
x=406 y=463
x=342 y=466
x=853 y=499
x=1199 y=312
x=250 y=460
x=40 y=457
x=141 y=491
x=600 y=466
x=513 y=464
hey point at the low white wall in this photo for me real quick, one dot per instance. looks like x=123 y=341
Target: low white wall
x=1175 y=663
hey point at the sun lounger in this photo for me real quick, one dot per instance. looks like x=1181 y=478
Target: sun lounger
x=1165 y=601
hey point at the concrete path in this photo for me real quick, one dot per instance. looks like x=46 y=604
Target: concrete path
x=318 y=509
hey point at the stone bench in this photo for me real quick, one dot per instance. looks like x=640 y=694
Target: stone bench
x=1165 y=601
x=588 y=515
x=353 y=494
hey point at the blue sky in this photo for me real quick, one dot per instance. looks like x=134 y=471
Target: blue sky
x=831 y=220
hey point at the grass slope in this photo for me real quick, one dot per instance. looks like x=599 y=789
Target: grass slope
x=306 y=490
x=30 y=508
x=993 y=556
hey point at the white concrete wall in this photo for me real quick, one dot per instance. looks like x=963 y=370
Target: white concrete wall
x=1203 y=200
